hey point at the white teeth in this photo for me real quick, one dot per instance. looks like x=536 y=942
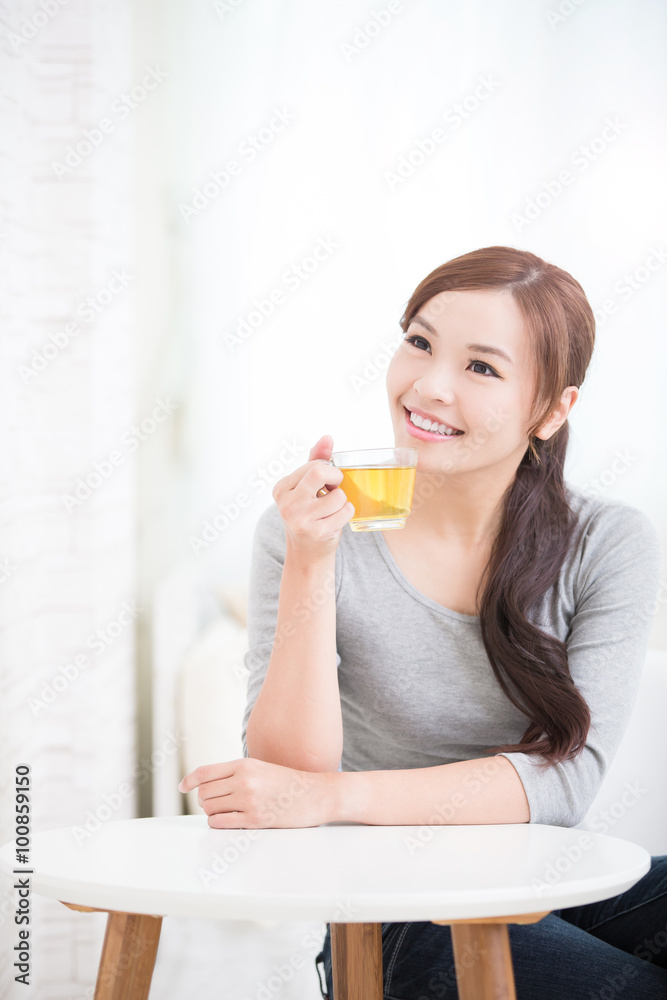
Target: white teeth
x=429 y=425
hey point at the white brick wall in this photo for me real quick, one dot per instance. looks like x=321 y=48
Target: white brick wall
x=70 y=571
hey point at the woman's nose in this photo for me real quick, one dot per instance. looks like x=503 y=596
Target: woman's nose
x=435 y=387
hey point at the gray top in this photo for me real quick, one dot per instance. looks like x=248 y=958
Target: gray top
x=416 y=685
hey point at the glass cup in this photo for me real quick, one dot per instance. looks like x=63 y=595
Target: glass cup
x=379 y=482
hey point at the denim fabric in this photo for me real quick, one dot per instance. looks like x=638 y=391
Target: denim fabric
x=611 y=950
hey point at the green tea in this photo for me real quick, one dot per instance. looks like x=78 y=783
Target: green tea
x=379 y=494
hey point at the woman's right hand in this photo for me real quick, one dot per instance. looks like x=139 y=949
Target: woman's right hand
x=313 y=524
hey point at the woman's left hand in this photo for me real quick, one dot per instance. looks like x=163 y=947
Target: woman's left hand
x=253 y=794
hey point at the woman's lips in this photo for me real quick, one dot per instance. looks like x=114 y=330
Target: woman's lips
x=419 y=432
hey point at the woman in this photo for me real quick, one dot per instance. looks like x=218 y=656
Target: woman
x=490 y=648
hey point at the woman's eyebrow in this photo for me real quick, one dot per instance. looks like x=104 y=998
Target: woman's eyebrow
x=482 y=348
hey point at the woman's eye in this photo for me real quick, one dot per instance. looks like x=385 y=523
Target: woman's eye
x=411 y=340
x=484 y=365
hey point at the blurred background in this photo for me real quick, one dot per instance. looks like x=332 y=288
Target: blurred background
x=212 y=216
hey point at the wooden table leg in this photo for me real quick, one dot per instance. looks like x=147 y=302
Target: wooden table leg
x=128 y=954
x=483 y=962
x=356 y=961
x=482 y=956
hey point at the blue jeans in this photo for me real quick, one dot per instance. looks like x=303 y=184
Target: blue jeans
x=611 y=950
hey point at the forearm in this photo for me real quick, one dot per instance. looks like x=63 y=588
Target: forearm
x=296 y=720
x=484 y=790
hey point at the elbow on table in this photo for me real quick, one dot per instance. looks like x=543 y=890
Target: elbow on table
x=558 y=797
x=578 y=799
x=564 y=813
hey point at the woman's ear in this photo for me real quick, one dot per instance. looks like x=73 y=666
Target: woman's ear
x=559 y=414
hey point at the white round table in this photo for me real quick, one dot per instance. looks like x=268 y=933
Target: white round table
x=353 y=876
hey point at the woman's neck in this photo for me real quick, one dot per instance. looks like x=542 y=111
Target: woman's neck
x=463 y=518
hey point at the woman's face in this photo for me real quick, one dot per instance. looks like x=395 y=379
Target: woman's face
x=445 y=369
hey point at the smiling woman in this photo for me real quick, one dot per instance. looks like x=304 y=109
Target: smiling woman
x=479 y=665
x=506 y=496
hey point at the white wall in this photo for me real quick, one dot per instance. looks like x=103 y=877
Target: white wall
x=66 y=404
x=359 y=104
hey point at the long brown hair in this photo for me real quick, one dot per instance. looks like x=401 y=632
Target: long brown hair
x=537 y=525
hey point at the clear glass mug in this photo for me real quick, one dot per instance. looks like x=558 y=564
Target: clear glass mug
x=379 y=482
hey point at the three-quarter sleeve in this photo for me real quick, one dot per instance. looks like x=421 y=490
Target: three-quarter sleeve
x=266 y=569
x=615 y=602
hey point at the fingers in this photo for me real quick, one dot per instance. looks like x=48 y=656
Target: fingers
x=322 y=448
x=319 y=455
x=330 y=502
x=206 y=772
x=314 y=475
x=335 y=508
x=314 y=531
x=213 y=798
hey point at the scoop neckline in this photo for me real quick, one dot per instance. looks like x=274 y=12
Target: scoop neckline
x=385 y=552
